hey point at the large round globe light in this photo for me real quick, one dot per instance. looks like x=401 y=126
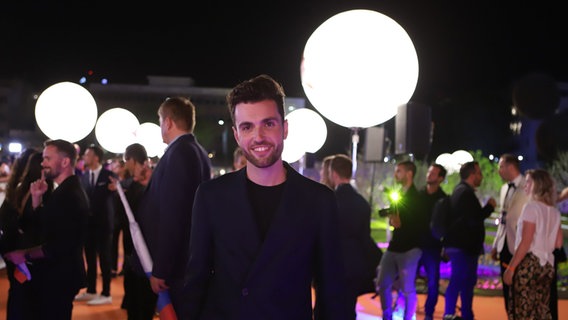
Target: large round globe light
x=358 y=67
x=61 y=102
x=149 y=135
x=116 y=129
x=307 y=132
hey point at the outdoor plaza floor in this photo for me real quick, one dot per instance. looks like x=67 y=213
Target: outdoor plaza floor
x=487 y=304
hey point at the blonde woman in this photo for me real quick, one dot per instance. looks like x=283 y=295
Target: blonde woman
x=531 y=269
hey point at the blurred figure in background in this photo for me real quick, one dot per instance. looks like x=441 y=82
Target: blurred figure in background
x=463 y=242
x=431 y=246
x=239 y=159
x=58 y=265
x=512 y=200
x=10 y=228
x=355 y=229
x=324 y=171
x=531 y=269
x=98 y=246
x=139 y=300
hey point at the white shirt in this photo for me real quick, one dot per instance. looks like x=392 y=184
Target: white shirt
x=547 y=220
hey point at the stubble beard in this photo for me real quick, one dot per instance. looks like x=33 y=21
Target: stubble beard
x=264 y=162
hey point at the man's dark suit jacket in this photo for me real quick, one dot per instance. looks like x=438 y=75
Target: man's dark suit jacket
x=164 y=214
x=63 y=230
x=355 y=229
x=467 y=230
x=101 y=200
x=234 y=275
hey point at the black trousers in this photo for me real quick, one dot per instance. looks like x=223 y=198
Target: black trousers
x=98 y=244
x=504 y=258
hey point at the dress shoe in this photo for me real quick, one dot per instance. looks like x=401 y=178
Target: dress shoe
x=100 y=300
x=85 y=296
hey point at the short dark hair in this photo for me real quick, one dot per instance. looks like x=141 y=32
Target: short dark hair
x=262 y=87
x=64 y=148
x=467 y=169
x=511 y=159
x=408 y=166
x=97 y=150
x=342 y=165
x=181 y=110
x=137 y=152
x=441 y=170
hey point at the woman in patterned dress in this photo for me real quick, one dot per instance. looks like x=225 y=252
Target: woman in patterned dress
x=531 y=269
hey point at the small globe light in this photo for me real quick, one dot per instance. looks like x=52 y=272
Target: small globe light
x=115 y=129
x=447 y=161
x=358 y=67
x=460 y=157
x=307 y=132
x=307 y=128
x=149 y=135
x=61 y=102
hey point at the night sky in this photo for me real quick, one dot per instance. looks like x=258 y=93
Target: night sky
x=470 y=55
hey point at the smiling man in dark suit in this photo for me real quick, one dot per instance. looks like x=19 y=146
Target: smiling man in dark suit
x=263 y=235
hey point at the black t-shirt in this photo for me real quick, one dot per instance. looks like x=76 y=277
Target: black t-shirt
x=264 y=201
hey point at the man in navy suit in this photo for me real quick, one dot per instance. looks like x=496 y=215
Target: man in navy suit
x=96 y=182
x=263 y=235
x=355 y=228
x=58 y=270
x=164 y=214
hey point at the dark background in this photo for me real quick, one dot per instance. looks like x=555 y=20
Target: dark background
x=471 y=54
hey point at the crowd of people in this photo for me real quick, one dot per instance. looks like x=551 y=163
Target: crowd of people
x=263 y=241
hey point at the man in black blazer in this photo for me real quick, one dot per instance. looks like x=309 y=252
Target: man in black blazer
x=165 y=211
x=263 y=235
x=58 y=265
x=96 y=182
x=464 y=241
x=355 y=229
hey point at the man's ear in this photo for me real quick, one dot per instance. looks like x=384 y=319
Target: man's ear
x=65 y=162
x=168 y=122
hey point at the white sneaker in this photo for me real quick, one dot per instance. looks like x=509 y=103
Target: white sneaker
x=85 y=296
x=100 y=300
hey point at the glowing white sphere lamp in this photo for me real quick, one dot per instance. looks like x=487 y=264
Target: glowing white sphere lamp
x=460 y=157
x=307 y=132
x=149 y=135
x=446 y=160
x=116 y=129
x=357 y=68
x=66 y=111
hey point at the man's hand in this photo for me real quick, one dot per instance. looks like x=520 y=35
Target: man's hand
x=37 y=189
x=494 y=254
x=492 y=202
x=158 y=284
x=395 y=221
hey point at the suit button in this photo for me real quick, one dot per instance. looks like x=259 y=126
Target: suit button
x=245 y=292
